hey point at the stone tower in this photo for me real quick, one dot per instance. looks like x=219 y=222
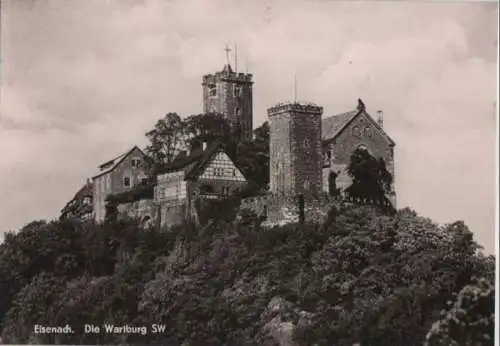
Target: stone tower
x=295 y=149
x=230 y=93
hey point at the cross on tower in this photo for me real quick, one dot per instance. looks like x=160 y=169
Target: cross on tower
x=227 y=50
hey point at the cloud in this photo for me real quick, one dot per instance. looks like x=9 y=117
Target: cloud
x=83 y=80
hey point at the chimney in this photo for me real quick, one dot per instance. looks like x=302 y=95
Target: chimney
x=380 y=120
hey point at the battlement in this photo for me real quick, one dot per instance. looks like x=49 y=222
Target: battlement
x=227 y=76
x=295 y=107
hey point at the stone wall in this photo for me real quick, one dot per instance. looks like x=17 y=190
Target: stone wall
x=283 y=210
x=172 y=214
x=148 y=211
x=143 y=210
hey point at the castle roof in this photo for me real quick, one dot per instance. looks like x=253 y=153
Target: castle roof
x=191 y=164
x=110 y=165
x=331 y=126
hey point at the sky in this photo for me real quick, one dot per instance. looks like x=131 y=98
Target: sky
x=82 y=81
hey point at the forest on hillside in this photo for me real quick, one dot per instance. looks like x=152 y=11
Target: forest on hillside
x=362 y=277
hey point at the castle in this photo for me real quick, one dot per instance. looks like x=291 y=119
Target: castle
x=309 y=156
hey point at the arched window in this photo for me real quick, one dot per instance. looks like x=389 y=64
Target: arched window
x=307 y=184
x=363 y=147
x=332 y=184
x=356 y=131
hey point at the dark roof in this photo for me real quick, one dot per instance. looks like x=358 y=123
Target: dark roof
x=331 y=126
x=110 y=165
x=193 y=163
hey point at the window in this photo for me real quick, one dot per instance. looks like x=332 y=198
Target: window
x=87 y=200
x=363 y=147
x=225 y=191
x=126 y=181
x=219 y=171
x=307 y=184
x=368 y=131
x=307 y=143
x=136 y=163
x=356 y=132
x=212 y=91
x=237 y=91
x=171 y=192
x=234 y=172
x=327 y=155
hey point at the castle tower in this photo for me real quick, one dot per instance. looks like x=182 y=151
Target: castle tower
x=295 y=149
x=230 y=93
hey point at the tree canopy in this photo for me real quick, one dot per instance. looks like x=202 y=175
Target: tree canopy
x=171 y=134
x=371 y=179
x=362 y=276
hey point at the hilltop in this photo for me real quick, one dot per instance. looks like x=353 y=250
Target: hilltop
x=362 y=276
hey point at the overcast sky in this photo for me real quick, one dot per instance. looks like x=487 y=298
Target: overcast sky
x=83 y=80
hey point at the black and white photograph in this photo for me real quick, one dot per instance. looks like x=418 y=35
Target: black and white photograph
x=239 y=173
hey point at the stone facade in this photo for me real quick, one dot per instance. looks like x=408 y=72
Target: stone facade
x=176 y=190
x=295 y=149
x=230 y=93
x=116 y=176
x=359 y=132
x=306 y=154
x=278 y=210
x=143 y=210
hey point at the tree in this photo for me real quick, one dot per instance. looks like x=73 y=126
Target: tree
x=207 y=128
x=253 y=157
x=371 y=180
x=470 y=319
x=166 y=138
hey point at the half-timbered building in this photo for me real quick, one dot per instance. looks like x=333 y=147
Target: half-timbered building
x=207 y=172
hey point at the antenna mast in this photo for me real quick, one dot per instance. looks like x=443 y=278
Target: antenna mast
x=236 y=58
x=295 y=88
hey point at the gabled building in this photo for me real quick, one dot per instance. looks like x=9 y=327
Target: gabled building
x=341 y=134
x=205 y=173
x=119 y=175
x=80 y=206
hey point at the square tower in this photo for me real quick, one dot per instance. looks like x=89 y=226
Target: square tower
x=295 y=149
x=230 y=94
